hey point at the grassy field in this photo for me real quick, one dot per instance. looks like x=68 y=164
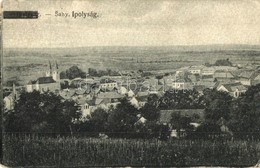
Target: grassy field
x=27 y=64
x=76 y=152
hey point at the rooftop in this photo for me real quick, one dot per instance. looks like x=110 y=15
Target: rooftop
x=231 y=87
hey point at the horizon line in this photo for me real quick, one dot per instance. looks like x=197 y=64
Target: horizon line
x=178 y=45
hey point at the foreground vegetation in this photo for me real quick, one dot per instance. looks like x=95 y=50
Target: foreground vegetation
x=74 y=152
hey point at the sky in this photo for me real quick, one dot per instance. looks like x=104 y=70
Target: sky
x=134 y=23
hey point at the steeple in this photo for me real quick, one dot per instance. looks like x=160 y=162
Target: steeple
x=50 y=67
x=57 y=67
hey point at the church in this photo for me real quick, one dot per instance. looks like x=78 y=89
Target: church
x=50 y=82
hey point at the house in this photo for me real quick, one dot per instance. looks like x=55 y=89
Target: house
x=134 y=102
x=234 y=89
x=108 y=99
x=108 y=84
x=256 y=79
x=225 y=68
x=141 y=120
x=181 y=71
x=209 y=78
x=207 y=83
x=182 y=84
x=195 y=70
x=67 y=94
x=223 y=74
x=249 y=77
x=9 y=101
x=208 y=71
x=51 y=82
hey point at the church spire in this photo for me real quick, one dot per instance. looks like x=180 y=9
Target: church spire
x=50 y=67
x=57 y=67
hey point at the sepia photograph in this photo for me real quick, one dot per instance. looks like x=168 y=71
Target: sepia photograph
x=130 y=83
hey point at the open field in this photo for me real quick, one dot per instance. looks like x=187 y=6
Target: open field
x=26 y=64
x=76 y=152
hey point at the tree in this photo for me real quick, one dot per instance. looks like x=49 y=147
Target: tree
x=223 y=62
x=46 y=112
x=98 y=120
x=180 y=122
x=217 y=105
x=150 y=112
x=181 y=99
x=72 y=73
x=245 y=114
x=121 y=121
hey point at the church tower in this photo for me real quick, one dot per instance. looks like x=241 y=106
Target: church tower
x=55 y=73
x=49 y=73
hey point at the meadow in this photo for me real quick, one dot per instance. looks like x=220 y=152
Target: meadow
x=33 y=151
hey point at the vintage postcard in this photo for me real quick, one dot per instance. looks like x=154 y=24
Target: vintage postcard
x=130 y=83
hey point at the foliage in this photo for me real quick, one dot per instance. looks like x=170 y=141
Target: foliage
x=72 y=73
x=223 y=62
x=122 y=119
x=150 y=111
x=179 y=123
x=98 y=73
x=36 y=112
x=181 y=99
x=245 y=113
x=217 y=105
x=97 y=122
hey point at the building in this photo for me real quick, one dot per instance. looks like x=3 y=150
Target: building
x=249 y=77
x=182 y=84
x=105 y=100
x=223 y=74
x=43 y=84
x=208 y=71
x=51 y=82
x=9 y=101
x=234 y=89
x=108 y=84
x=195 y=70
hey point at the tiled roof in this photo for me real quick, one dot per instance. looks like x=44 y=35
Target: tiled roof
x=111 y=95
x=199 y=87
x=247 y=74
x=99 y=101
x=234 y=86
x=44 y=80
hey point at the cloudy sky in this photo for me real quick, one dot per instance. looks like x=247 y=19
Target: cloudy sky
x=135 y=23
